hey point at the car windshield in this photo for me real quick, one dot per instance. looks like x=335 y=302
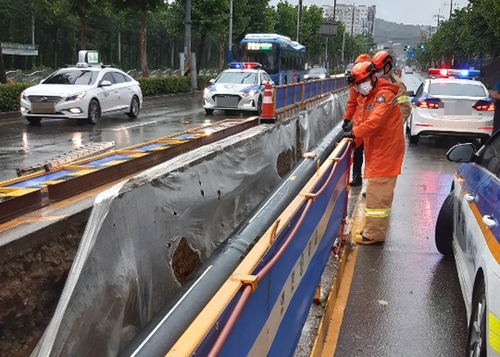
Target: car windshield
x=457 y=90
x=317 y=71
x=72 y=77
x=238 y=78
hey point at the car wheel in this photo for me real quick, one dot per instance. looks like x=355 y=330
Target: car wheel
x=134 y=108
x=34 y=120
x=476 y=340
x=94 y=112
x=414 y=139
x=444 y=228
x=209 y=111
x=259 y=106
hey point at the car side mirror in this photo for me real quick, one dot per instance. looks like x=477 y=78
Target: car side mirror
x=461 y=153
x=212 y=81
x=410 y=93
x=104 y=83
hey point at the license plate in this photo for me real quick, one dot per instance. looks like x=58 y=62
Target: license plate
x=226 y=102
x=457 y=109
x=43 y=108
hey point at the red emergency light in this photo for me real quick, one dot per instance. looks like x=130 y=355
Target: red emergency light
x=245 y=65
x=453 y=72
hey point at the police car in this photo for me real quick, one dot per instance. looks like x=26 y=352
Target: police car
x=87 y=91
x=468 y=230
x=450 y=103
x=241 y=87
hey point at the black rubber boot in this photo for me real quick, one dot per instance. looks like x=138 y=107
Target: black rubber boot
x=356 y=181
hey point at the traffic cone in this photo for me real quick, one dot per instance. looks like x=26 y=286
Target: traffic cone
x=268 y=112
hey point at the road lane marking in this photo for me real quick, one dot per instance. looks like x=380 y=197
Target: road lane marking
x=127 y=127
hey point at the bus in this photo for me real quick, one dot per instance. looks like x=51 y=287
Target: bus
x=282 y=58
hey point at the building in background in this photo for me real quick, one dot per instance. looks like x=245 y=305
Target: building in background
x=357 y=20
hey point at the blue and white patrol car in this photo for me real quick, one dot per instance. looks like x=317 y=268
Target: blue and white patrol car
x=468 y=230
x=450 y=103
x=241 y=87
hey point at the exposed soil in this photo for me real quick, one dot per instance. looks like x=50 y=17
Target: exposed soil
x=185 y=261
x=31 y=284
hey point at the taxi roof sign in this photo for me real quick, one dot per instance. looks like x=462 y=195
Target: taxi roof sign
x=89 y=58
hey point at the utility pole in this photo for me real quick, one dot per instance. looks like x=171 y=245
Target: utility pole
x=451 y=7
x=33 y=36
x=352 y=22
x=299 y=15
x=189 y=64
x=343 y=47
x=230 y=42
x=439 y=17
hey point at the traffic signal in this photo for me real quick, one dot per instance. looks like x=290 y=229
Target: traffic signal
x=407 y=48
x=422 y=46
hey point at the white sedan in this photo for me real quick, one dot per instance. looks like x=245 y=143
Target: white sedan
x=451 y=106
x=239 y=88
x=82 y=92
x=468 y=231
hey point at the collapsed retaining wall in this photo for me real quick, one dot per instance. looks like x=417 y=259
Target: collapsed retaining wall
x=144 y=238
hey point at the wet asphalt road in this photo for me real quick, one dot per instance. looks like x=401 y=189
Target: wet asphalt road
x=23 y=145
x=424 y=313
x=405 y=299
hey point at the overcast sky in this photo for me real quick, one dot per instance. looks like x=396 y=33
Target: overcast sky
x=414 y=12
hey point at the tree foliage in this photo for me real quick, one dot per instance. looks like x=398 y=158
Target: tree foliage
x=150 y=33
x=471 y=37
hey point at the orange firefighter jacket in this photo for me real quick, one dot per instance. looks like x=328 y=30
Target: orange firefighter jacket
x=381 y=130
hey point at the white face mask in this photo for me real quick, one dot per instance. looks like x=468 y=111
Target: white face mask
x=379 y=74
x=365 y=88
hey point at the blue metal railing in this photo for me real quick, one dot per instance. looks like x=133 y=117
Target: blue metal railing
x=297 y=94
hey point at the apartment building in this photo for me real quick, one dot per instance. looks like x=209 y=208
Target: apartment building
x=357 y=19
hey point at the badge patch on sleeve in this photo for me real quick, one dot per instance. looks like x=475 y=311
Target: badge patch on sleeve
x=380 y=99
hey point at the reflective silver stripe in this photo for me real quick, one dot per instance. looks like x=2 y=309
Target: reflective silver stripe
x=377 y=213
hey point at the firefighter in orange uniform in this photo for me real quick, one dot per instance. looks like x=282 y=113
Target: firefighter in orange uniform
x=382 y=61
x=381 y=129
x=351 y=115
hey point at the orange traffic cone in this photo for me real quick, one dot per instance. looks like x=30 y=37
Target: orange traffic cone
x=268 y=112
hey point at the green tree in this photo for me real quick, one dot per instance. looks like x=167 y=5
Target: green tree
x=143 y=8
x=285 y=19
x=312 y=18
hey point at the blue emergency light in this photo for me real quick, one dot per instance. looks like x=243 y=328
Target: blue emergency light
x=244 y=65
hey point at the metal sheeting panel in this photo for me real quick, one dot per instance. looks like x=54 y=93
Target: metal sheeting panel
x=150 y=232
